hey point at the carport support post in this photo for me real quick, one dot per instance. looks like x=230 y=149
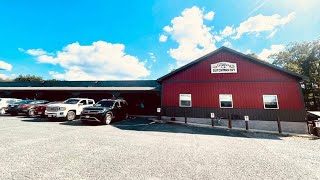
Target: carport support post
x=279 y=124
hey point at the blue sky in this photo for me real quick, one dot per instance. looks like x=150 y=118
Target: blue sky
x=108 y=40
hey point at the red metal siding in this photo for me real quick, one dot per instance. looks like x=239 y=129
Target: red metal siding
x=247 y=86
x=245 y=94
x=247 y=70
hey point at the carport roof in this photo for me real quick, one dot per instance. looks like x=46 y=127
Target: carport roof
x=134 y=85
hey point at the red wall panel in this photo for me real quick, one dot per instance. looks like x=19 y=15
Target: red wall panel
x=244 y=94
x=247 y=70
x=247 y=85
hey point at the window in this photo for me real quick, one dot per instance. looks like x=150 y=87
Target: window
x=270 y=102
x=225 y=101
x=90 y=101
x=185 y=100
x=84 y=102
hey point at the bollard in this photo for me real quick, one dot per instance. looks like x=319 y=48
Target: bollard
x=279 y=124
x=247 y=125
x=246 y=120
x=185 y=116
x=159 y=113
x=229 y=122
x=212 y=119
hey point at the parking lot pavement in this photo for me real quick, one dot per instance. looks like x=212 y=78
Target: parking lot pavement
x=32 y=148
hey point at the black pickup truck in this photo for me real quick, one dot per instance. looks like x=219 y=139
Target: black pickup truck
x=105 y=111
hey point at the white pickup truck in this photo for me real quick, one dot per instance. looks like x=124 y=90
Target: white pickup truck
x=68 y=109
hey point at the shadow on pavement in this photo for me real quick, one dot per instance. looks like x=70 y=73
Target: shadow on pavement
x=143 y=124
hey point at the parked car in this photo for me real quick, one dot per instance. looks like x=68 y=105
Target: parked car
x=105 y=111
x=25 y=107
x=5 y=102
x=39 y=109
x=13 y=108
x=68 y=109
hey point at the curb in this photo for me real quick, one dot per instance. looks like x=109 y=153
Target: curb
x=236 y=129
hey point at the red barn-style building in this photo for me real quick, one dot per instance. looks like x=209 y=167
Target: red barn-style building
x=225 y=82
x=231 y=84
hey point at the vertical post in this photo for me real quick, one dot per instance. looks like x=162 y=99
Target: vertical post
x=229 y=122
x=185 y=115
x=159 y=113
x=246 y=120
x=212 y=119
x=247 y=125
x=279 y=124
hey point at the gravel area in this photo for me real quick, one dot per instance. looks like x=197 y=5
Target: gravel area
x=34 y=148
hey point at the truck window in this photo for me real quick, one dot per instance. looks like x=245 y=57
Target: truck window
x=90 y=102
x=84 y=102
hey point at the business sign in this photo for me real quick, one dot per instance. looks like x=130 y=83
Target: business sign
x=223 y=67
x=158 y=110
x=246 y=118
x=212 y=115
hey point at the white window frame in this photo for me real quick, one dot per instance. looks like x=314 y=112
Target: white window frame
x=180 y=105
x=263 y=99
x=231 y=101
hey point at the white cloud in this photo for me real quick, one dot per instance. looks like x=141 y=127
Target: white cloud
x=227 y=44
x=5 y=66
x=209 y=16
x=218 y=38
x=4 y=76
x=261 y=23
x=265 y=53
x=99 y=61
x=36 y=52
x=272 y=34
x=227 y=31
x=152 y=57
x=192 y=35
x=163 y=38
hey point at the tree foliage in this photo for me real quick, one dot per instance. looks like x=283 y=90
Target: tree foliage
x=28 y=78
x=303 y=58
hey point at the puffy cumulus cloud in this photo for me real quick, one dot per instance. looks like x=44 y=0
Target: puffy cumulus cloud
x=261 y=23
x=218 y=38
x=5 y=66
x=227 y=31
x=265 y=53
x=98 y=61
x=163 y=38
x=192 y=35
x=209 y=16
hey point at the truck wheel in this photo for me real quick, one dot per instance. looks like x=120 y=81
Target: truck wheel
x=71 y=115
x=2 y=111
x=107 y=119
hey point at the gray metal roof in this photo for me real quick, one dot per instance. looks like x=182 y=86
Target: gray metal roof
x=134 y=85
x=250 y=58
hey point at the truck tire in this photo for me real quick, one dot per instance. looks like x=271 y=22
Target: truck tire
x=71 y=115
x=107 y=119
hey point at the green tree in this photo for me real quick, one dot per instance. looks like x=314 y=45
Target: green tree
x=303 y=58
x=28 y=78
x=253 y=55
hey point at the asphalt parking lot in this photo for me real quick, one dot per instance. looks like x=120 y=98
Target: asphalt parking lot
x=32 y=148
